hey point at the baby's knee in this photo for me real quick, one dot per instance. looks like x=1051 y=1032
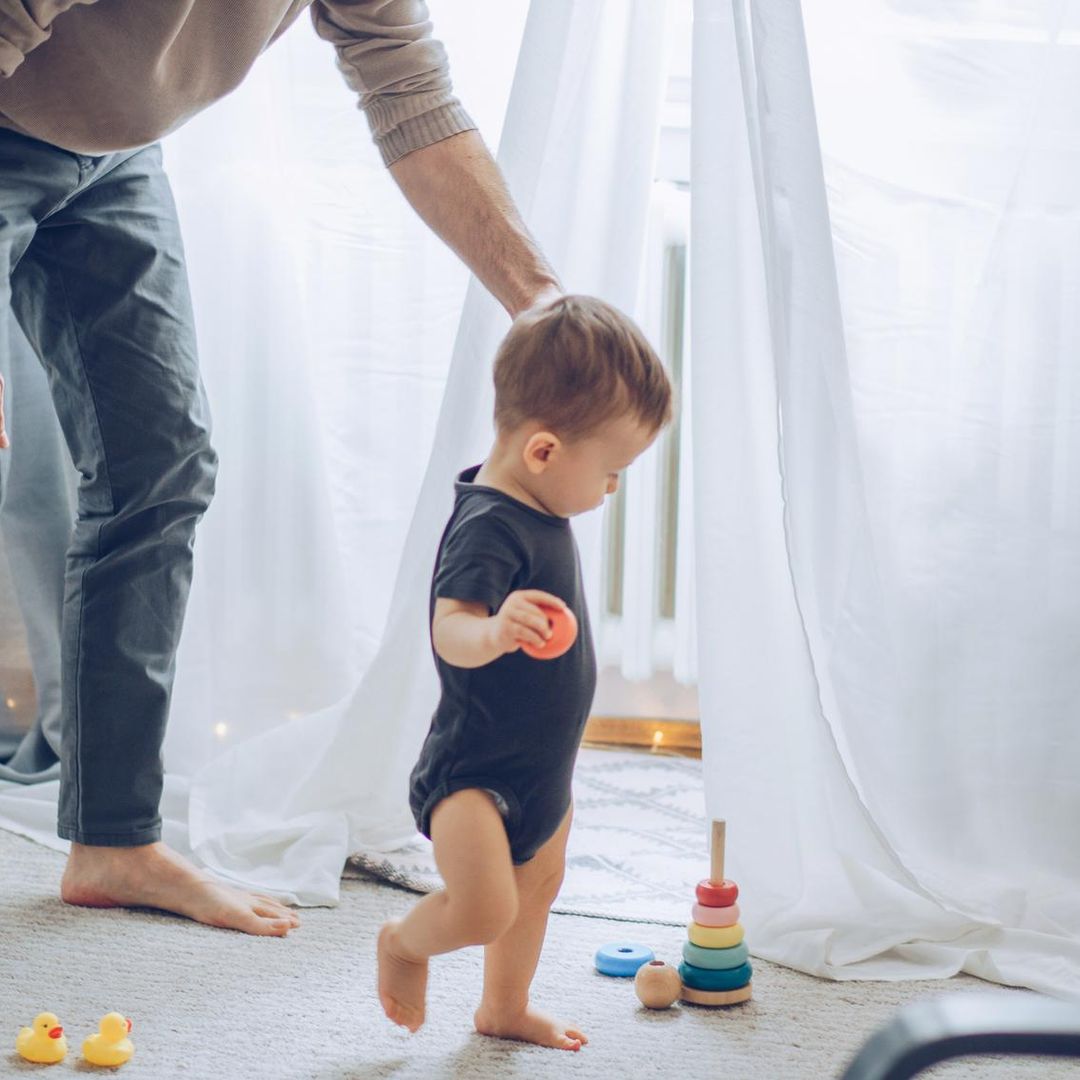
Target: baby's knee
x=485 y=918
x=550 y=884
x=544 y=888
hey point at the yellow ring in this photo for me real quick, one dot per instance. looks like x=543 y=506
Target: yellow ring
x=715 y=937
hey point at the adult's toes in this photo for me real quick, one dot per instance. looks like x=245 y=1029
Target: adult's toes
x=279 y=909
x=266 y=926
x=274 y=913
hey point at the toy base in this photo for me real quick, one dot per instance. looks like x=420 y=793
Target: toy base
x=717 y=997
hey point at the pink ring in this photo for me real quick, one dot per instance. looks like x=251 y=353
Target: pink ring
x=716 y=916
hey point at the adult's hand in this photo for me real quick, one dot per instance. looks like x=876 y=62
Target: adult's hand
x=5 y=442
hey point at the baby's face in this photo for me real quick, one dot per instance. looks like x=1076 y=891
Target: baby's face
x=582 y=473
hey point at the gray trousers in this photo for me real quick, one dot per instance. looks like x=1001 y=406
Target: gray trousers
x=93 y=271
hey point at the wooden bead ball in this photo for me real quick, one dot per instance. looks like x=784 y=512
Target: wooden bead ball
x=657 y=985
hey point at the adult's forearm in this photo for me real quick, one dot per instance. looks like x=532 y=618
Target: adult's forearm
x=457 y=188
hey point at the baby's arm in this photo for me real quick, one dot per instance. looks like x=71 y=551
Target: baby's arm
x=466 y=636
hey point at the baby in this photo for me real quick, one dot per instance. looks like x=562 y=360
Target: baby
x=579 y=394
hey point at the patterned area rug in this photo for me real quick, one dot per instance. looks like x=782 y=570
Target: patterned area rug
x=638 y=846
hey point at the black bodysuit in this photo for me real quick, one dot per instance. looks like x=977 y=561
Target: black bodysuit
x=513 y=726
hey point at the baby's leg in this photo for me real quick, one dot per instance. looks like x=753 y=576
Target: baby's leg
x=477 y=905
x=510 y=962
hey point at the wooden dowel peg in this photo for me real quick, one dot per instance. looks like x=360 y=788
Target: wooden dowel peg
x=719 y=829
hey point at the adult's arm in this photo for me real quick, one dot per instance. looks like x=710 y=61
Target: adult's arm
x=429 y=142
x=457 y=188
x=24 y=25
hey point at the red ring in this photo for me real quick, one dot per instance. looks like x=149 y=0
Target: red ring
x=711 y=894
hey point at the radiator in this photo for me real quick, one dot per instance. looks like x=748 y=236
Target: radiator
x=647 y=613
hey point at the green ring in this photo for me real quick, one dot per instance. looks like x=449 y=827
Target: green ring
x=705 y=979
x=715 y=959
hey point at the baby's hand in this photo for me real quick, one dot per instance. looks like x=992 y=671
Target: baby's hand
x=520 y=619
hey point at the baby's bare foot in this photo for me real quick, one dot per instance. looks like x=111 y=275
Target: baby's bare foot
x=528 y=1025
x=402 y=981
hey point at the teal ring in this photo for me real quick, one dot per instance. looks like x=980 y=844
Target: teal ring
x=705 y=979
x=715 y=959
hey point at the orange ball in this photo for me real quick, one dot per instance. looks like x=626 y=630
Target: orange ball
x=657 y=985
x=563 y=634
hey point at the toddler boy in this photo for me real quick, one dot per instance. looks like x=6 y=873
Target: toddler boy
x=579 y=394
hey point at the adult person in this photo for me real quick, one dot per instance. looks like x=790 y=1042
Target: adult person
x=93 y=272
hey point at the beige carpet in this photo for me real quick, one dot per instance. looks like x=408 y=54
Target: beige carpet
x=211 y=1004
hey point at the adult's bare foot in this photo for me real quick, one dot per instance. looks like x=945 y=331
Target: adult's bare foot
x=155 y=876
x=402 y=980
x=527 y=1025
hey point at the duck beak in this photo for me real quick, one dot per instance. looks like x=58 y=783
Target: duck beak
x=56 y=1032
x=128 y=1022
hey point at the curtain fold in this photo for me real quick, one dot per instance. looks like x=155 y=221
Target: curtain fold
x=885 y=781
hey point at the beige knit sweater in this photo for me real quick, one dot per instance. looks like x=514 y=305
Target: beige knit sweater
x=99 y=75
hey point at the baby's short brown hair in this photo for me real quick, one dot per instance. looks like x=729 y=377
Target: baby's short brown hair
x=575 y=364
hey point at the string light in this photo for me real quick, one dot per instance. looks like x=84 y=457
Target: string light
x=657 y=738
x=221 y=730
x=11 y=703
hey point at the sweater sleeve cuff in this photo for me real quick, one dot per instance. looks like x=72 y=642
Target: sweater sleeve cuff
x=416 y=132
x=10 y=57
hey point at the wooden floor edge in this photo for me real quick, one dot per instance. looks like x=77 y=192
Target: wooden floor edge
x=674 y=736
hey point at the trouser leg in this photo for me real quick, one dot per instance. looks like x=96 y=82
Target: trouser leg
x=102 y=294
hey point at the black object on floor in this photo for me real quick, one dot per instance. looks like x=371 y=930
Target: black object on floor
x=960 y=1025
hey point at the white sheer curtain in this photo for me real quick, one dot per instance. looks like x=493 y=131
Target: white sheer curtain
x=887 y=427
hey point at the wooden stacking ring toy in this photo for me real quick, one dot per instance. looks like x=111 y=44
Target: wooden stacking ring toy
x=622 y=958
x=717 y=894
x=717 y=997
x=716 y=916
x=709 y=979
x=715 y=937
x=563 y=625
x=716 y=962
x=717 y=959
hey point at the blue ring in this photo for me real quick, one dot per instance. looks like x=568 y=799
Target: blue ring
x=622 y=958
x=704 y=979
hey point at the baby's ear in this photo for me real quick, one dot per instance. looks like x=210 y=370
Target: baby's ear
x=538 y=451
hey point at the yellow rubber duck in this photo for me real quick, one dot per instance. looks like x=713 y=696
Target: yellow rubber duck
x=44 y=1043
x=111 y=1046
